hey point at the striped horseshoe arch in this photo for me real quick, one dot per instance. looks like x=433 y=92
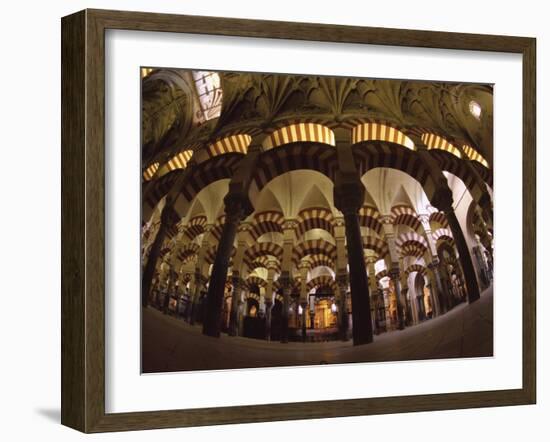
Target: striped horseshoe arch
x=255 y=280
x=314 y=247
x=188 y=252
x=231 y=144
x=485 y=173
x=380 y=132
x=216 y=230
x=320 y=281
x=415 y=268
x=474 y=155
x=194 y=227
x=411 y=244
x=406 y=216
x=439 y=218
x=443 y=235
x=263 y=249
x=377 y=245
x=208 y=172
x=155 y=190
x=373 y=154
x=319 y=260
x=266 y=222
x=433 y=141
x=178 y=161
x=382 y=274
x=315 y=218
x=263 y=262
x=299 y=132
x=149 y=173
x=370 y=217
x=450 y=163
x=273 y=163
x=250 y=295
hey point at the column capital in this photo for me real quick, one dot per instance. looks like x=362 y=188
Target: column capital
x=289 y=224
x=237 y=206
x=434 y=263
x=394 y=273
x=443 y=199
x=339 y=221
x=424 y=218
x=285 y=280
x=349 y=193
x=304 y=264
x=271 y=264
x=342 y=280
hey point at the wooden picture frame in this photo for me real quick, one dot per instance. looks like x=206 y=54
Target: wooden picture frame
x=83 y=220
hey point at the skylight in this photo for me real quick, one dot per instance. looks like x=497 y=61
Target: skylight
x=210 y=93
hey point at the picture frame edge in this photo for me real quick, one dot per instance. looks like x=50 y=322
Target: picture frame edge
x=83 y=233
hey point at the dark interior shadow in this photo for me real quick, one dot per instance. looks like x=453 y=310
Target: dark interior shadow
x=52 y=414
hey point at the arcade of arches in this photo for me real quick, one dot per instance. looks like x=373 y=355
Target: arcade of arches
x=313 y=209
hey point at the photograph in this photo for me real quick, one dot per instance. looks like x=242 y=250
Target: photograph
x=299 y=219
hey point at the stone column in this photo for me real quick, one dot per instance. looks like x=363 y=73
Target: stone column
x=443 y=200
x=373 y=288
x=342 y=282
x=385 y=297
x=404 y=291
x=168 y=218
x=389 y=236
x=169 y=291
x=348 y=197
x=289 y=236
x=312 y=312
x=237 y=207
x=438 y=301
x=286 y=284
x=304 y=268
x=236 y=280
x=394 y=276
x=271 y=268
x=304 y=306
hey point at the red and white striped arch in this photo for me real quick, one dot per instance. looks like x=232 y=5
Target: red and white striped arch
x=380 y=132
x=433 y=141
x=405 y=215
x=232 y=144
x=299 y=132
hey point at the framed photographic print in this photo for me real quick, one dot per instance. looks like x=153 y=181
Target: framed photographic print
x=267 y=220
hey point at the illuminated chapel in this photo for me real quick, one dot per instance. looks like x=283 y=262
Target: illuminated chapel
x=301 y=209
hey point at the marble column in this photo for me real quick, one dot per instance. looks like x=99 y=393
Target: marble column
x=167 y=219
x=435 y=280
x=286 y=284
x=271 y=268
x=373 y=288
x=443 y=200
x=304 y=268
x=235 y=297
x=394 y=276
x=237 y=207
x=289 y=236
x=349 y=197
x=304 y=306
x=236 y=279
x=342 y=281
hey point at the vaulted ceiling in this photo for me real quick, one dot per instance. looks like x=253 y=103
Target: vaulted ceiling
x=252 y=103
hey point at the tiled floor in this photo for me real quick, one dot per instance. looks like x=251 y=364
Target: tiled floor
x=170 y=344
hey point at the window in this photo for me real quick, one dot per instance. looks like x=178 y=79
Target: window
x=475 y=109
x=210 y=93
